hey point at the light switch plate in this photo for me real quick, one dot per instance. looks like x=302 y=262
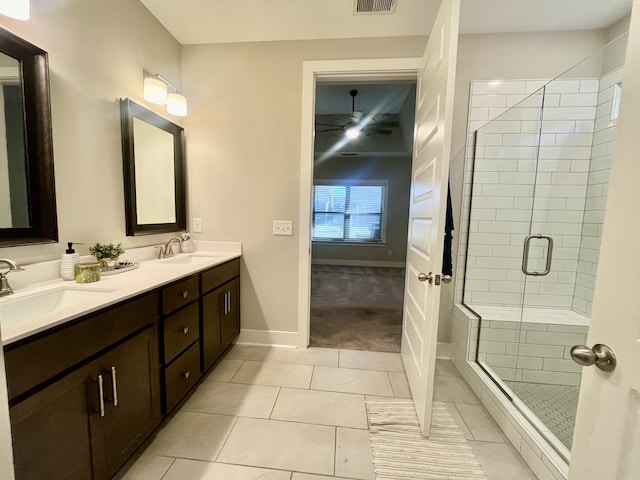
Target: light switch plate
x=282 y=227
x=196 y=223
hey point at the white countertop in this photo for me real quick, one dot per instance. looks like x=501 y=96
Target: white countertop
x=110 y=290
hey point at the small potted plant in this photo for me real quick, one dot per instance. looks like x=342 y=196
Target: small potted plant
x=107 y=254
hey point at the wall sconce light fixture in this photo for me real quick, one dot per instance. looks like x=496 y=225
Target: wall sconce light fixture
x=18 y=9
x=161 y=91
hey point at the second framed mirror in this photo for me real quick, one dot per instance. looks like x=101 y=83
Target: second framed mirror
x=154 y=171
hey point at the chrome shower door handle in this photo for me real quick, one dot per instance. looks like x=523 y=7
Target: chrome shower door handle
x=525 y=255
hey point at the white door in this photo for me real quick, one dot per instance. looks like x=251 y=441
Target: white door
x=432 y=145
x=606 y=442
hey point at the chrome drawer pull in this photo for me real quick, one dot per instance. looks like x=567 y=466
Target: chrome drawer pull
x=185 y=330
x=185 y=375
x=184 y=294
x=101 y=395
x=114 y=384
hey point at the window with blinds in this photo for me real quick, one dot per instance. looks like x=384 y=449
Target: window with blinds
x=348 y=213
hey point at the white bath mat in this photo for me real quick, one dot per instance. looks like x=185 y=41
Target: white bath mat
x=400 y=452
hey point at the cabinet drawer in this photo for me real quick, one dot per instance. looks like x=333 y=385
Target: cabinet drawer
x=37 y=360
x=180 y=330
x=221 y=274
x=181 y=376
x=179 y=294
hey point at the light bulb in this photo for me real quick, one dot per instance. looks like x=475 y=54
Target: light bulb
x=352 y=133
x=155 y=91
x=177 y=104
x=18 y=9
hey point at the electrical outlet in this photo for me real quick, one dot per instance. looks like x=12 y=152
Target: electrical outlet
x=282 y=227
x=197 y=225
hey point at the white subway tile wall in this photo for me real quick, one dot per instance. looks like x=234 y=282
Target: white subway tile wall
x=504 y=210
x=596 y=196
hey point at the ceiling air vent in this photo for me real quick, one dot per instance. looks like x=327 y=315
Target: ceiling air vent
x=374 y=6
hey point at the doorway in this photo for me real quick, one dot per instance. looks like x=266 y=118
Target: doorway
x=314 y=72
x=360 y=206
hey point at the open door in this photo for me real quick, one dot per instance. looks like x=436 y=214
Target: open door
x=606 y=442
x=430 y=170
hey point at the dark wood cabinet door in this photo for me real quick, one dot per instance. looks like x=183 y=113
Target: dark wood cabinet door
x=132 y=396
x=212 y=311
x=230 y=326
x=51 y=430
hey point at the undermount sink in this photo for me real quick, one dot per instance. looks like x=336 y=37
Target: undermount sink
x=190 y=259
x=36 y=304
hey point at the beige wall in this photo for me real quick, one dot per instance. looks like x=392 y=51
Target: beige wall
x=97 y=51
x=397 y=171
x=243 y=147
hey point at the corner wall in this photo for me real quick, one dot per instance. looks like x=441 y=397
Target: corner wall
x=243 y=148
x=97 y=52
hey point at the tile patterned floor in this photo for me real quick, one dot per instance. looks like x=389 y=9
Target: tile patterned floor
x=554 y=405
x=283 y=414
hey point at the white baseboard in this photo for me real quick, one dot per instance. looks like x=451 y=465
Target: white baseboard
x=270 y=338
x=357 y=263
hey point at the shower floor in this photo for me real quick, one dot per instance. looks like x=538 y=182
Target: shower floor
x=554 y=405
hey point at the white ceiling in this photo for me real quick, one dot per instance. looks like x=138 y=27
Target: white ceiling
x=225 y=21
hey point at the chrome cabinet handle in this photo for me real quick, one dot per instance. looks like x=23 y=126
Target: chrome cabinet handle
x=600 y=355
x=114 y=385
x=184 y=294
x=525 y=256
x=185 y=375
x=101 y=395
x=226 y=303
x=185 y=330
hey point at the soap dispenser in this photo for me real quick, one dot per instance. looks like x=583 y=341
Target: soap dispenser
x=68 y=262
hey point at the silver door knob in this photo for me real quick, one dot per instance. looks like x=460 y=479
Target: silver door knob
x=600 y=355
x=424 y=277
x=446 y=278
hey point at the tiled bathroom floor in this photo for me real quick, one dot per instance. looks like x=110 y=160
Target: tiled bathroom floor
x=286 y=414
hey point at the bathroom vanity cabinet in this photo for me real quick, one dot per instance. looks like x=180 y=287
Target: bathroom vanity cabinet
x=220 y=311
x=85 y=422
x=85 y=395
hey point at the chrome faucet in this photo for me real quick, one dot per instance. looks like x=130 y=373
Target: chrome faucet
x=5 y=288
x=166 y=250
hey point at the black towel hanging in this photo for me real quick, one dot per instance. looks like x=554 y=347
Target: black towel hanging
x=447 y=263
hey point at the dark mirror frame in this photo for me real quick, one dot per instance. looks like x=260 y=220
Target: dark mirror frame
x=128 y=111
x=38 y=144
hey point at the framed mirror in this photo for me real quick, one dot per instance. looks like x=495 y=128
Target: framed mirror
x=27 y=187
x=154 y=178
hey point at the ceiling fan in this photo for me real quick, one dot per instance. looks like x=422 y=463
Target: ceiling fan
x=358 y=123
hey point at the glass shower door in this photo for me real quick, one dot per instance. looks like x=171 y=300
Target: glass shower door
x=576 y=149
x=503 y=182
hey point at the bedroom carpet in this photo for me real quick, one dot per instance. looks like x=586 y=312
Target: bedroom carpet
x=358 y=308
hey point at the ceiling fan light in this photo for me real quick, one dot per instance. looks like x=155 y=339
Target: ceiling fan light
x=352 y=133
x=155 y=91
x=18 y=9
x=177 y=104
